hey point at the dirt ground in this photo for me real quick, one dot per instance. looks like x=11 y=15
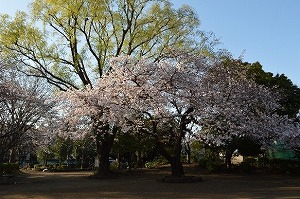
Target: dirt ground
x=146 y=184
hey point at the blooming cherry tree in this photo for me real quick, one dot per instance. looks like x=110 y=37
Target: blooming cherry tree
x=23 y=103
x=238 y=108
x=153 y=98
x=166 y=99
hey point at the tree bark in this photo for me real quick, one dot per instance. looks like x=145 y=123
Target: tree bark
x=174 y=160
x=228 y=156
x=188 y=153
x=176 y=167
x=139 y=158
x=104 y=143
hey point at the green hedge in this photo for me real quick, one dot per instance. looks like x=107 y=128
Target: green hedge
x=8 y=168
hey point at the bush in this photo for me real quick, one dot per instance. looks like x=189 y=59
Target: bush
x=39 y=167
x=113 y=165
x=8 y=168
x=211 y=161
x=248 y=164
x=156 y=163
x=214 y=166
x=285 y=166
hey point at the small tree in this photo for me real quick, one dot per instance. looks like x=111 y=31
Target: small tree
x=23 y=104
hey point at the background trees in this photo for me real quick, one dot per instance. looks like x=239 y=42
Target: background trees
x=23 y=104
x=240 y=111
x=289 y=93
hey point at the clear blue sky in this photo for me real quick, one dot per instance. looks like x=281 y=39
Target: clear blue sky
x=268 y=30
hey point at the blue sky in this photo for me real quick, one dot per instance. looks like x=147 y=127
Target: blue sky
x=267 y=30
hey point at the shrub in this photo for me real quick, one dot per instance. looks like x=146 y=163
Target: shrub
x=8 y=168
x=248 y=164
x=39 y=167
x=211 y=161
x=156 y=163
x=113 y=165
x=285 y=166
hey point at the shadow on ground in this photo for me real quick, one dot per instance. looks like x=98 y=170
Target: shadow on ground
x=146 y=184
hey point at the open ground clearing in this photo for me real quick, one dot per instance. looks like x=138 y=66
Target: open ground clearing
x=145 y=184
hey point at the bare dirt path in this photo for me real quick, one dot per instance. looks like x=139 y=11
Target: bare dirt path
x=73 y=185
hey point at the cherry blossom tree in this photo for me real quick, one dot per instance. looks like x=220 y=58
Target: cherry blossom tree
x=86 y=112
x=167 y=99
x=238 y=108
x=292 y=138
x=23 y=104
x=153 y=98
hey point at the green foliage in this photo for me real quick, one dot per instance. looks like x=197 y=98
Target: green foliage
x=196 y=147
x=86 y=33
x=156 y=163
x=289 y=93
x=248 y=164
x=284 y=166
x=63 y=148
x=114 y=165
x=39 y=167
x=211 y=161
x=127 y=147
x=85 y=151
x=45 y=154
x=278 y=166
x=8 y=168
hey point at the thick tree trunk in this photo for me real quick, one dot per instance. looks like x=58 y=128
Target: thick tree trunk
x=176 y=167
x=174 y=160
x=104 y=144
x=103 y=150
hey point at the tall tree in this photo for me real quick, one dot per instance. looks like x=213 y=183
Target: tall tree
x=79 y=36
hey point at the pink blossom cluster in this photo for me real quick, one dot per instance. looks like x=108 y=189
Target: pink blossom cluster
x=224 y=103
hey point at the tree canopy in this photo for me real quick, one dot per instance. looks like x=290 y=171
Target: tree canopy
x=23 y=104
x=69 y=42
x=289 y=92
x=167 y=99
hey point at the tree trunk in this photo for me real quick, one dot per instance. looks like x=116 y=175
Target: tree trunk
x=104 y=143
x=174 y=160
x=139 y=159
x=1 y=156
x=176 y=167
x=228 y=156
x=103 y=150
x=188 y=153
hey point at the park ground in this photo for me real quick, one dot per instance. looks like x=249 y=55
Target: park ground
x=146 y=183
